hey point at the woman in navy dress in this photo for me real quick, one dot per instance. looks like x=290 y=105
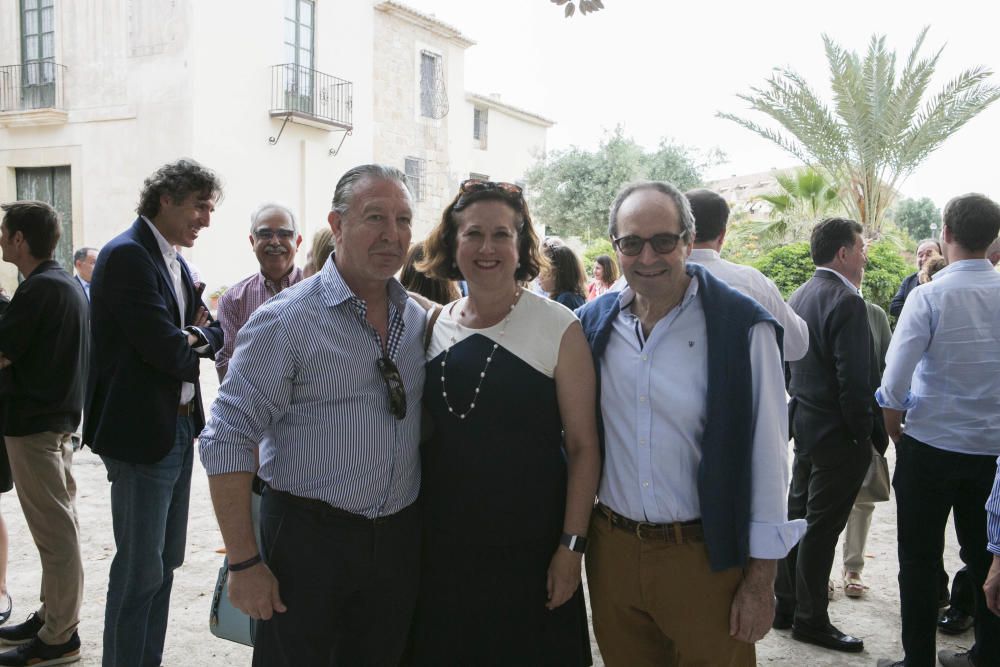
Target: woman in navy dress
x=511 y=471
x=564 y=279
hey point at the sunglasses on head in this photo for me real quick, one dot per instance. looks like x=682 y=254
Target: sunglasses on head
x=473 y=186
x=632 y=245
x=394 y=385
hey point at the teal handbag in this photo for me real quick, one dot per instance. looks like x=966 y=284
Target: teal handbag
x=226 y=621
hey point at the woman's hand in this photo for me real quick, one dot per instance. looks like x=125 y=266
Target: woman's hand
x=563 y=577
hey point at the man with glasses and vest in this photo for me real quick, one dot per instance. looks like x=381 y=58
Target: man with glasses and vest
x=327 y=377
x=275 y=238
x=691 y=518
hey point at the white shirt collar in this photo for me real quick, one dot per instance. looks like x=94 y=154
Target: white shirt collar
x=701 y=254
x=842 y=278
x=168 y=251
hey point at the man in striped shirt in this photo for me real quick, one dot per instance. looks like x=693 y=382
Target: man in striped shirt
x=327 y=376
x=992 y=585
x=275 y=238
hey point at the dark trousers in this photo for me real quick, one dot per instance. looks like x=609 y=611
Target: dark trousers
x=350 y=585
x=930 y=482
x=825 y=483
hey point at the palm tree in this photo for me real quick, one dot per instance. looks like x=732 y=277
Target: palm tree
x=805 y=197
x=879 y=129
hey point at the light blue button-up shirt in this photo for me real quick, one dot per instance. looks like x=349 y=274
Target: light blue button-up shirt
x=943 y=364
x=654 y=394
x=993 y=514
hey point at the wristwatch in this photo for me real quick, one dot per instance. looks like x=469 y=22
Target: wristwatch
x=575 y=543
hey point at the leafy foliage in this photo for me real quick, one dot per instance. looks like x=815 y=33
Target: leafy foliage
x=916 y=216
x=586 y=6
x=804 y=198
x=788 y=266
x=572 y=189
x=791 y=265
x=880 y=127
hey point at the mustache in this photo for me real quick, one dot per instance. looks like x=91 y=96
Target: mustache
x=276 y=250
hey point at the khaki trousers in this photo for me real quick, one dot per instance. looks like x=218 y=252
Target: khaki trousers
x=659 y=604
x=856 y=536
x=41 y=464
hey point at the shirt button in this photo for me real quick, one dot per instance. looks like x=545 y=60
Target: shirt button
x=644 y=357
x=645 y=483
x=642 y=399
x=642 y=442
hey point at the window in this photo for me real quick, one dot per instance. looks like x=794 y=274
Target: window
x=299 y=54
x=433 y=98
x=38 y=73
x=480 y=117
x=414 y=168
x=51 y=185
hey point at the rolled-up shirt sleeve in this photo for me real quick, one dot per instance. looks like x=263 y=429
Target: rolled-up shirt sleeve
x=909 y=342
x=772 y=535
x=255 y=394
x=993 y=514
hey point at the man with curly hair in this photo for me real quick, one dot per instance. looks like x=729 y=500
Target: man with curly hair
x=150 y=331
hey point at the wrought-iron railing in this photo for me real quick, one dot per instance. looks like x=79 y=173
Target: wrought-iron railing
x=36 y=85
x=296 y=89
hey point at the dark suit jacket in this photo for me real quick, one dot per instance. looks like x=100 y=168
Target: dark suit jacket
x=141 y=355
x=833 y=385
x=905 y=287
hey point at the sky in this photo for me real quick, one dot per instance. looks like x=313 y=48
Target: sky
x=663 y=69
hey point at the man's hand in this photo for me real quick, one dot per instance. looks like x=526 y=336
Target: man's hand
x=4 y=361
x=200 y=317
x=893 y=420
x=563 y=577
x=992 y=586
x=752 y=611
x=254 y=591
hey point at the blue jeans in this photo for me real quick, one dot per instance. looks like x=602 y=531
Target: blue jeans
x=149 y=509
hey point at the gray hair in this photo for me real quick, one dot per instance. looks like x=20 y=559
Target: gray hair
x=344 y=192
x=81 y=253
x=267 y=207
x=680 y=201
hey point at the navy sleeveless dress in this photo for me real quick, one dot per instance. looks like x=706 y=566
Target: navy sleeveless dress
x=494 y=496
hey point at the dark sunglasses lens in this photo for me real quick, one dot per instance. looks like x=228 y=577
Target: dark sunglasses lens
x=394 y=385
x=663 y=243
x=630 y=245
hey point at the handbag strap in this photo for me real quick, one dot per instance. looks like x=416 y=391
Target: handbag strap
x=435 y=312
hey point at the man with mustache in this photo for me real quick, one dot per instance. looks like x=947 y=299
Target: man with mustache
x=275 y=238
x=143 y=408
x=327 y=378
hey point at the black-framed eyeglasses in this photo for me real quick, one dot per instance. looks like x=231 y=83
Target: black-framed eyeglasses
x=268 y=234
x=473 y=186
x=662 y=244
x=394 y=385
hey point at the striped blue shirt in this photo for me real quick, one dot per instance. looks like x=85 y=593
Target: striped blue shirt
x=993 y=514
x=303 y=382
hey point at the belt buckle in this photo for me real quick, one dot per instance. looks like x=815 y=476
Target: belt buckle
x=639 y=525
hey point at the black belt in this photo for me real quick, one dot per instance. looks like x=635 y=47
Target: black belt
x=326 y=510
x=185 y=409
x=676 y=533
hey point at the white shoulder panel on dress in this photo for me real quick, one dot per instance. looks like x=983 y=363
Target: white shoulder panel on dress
x=534 y=332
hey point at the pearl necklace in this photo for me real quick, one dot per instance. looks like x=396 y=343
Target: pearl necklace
x=482 y=374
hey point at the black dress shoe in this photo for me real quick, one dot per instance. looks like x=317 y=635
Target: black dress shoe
x=954 y=622
x=828 y=637
x=782 y=621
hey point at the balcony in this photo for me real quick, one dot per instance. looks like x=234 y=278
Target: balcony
x=32 y=94
x=311 y=98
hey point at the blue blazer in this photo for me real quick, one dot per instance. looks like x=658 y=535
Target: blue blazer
x=140 y=354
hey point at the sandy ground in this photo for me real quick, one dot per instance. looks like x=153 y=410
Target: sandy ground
x=875 y=618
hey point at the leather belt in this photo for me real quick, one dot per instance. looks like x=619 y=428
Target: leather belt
x=186 y=409
x=673 y=533
x=325 y=510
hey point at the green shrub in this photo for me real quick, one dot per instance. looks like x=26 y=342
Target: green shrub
x=789 y=266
